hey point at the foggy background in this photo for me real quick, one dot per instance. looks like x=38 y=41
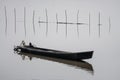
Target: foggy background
x=106 y=47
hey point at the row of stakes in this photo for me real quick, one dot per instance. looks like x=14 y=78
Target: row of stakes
x=57 y=22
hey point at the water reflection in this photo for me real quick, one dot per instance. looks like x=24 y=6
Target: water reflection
x=77 y=64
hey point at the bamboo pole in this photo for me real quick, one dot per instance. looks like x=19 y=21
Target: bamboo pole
x=33 y=19
x=46 y=22
x=57 y=23
x=99 y=24
x=77 y=23
x=5 y=20
x=15 y=20
x=25 y=20
x=66 y=21
x=39 y=22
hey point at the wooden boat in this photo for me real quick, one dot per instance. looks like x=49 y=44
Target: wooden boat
x=77 y=56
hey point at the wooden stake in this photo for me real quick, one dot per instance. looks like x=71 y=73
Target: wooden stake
x=46 y=22
x=5 y=20
x=66 y=21
x=15 y=19
x=39 y=22
x=57 y=23
x=25 y=20
x=99 y=24
x=33 y=21
x=77 y=23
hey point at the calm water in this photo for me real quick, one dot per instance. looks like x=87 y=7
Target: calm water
x=105 y=62
x=103 y=65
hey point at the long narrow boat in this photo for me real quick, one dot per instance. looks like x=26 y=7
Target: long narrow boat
x=77 y=56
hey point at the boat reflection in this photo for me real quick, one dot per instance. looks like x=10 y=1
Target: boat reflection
x=77 y=64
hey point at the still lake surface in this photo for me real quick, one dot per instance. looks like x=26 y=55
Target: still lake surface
x=104 y=65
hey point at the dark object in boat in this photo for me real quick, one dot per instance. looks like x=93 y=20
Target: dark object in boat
x=77 y=64
x=77 y=56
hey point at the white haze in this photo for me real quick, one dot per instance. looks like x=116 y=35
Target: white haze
x=106 y=47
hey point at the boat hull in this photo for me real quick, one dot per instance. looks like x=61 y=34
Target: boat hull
x=77 y=56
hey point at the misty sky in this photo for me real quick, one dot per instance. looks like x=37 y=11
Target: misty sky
x=106 y=47
x=107 y=8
